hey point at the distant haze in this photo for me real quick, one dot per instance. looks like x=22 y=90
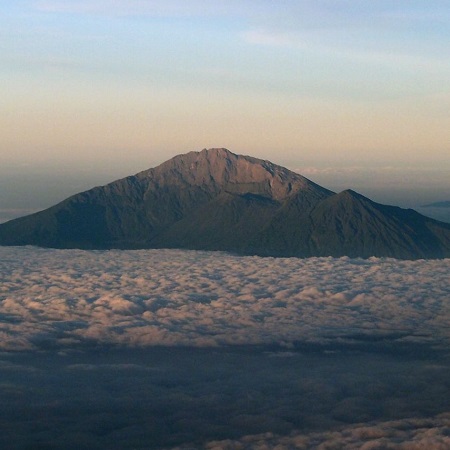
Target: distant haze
x=125 y=85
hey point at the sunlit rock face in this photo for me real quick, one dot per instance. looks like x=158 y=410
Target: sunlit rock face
x=216 y=200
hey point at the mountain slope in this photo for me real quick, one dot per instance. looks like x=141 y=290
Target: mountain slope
x=216 y=200
x=138 y=211
x=351 y=224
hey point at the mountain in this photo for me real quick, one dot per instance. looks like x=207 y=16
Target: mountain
x=216 y=200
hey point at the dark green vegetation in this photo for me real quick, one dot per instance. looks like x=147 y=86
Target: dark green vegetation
x=216 y=200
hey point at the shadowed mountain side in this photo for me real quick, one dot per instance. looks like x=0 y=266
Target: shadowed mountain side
x=351 y=224
x=216 y=200
x=225 y=223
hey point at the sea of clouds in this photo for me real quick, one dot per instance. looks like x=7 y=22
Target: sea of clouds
x=408 y=434
x=168 y=348
x=172 y=297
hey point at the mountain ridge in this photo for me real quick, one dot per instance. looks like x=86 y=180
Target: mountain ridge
x=217 y=200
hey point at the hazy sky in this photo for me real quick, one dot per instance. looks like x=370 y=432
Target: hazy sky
x=119 y=86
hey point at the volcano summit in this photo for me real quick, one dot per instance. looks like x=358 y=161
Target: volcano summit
x=216 y=200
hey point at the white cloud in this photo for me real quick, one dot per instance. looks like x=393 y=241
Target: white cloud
x=374 y=33
x=261 y=37
x=407 y=434
x=171 y=297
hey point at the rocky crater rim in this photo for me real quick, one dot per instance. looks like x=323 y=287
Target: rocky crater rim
x=221 y=168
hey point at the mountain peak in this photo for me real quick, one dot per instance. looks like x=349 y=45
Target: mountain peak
x=217 y=200
x=207 y=154
x=221 y=169
x=351 y=193
x=219 y=151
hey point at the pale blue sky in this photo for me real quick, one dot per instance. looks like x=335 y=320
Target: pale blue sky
x=114 y=87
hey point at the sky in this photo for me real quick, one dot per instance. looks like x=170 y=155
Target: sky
x=94 y=90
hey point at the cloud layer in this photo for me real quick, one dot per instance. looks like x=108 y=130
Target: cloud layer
x=168 y=348
x=168 y=297
x=223 y=398
x=408 y=434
